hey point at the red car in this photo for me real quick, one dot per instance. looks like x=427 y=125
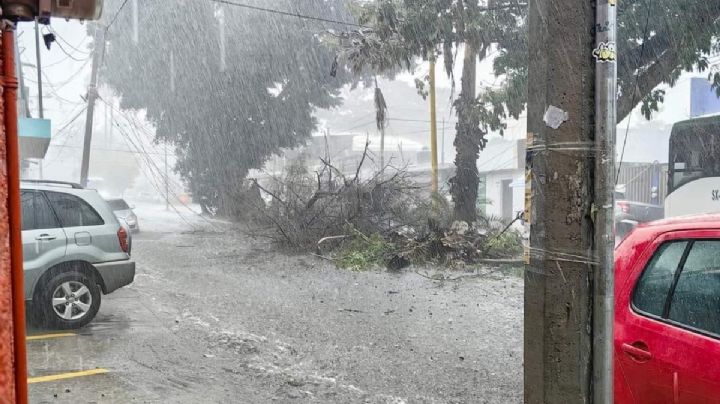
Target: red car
x=667 y=313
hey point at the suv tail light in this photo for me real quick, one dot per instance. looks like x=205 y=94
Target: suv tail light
x=123 y=239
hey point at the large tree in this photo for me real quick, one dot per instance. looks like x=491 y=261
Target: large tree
x=226 y=111
x=658 y=40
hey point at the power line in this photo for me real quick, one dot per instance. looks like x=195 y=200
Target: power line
x=60 y=46
x=289 y=13
x=62 y=147
x=68 y=54
x=350 y=24
x=152 y=179
x=117 y=13
x=58 y=36
x=358 y=126
x=67 y=125
x=151 y=164
x=137 y=127
x=61 y=61
x=114 y=150
x=494 y=157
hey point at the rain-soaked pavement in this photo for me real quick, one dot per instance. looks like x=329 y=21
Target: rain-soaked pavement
x=214 y=316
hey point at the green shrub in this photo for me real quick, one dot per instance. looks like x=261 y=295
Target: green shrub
x=364 y=252
x=508 y=244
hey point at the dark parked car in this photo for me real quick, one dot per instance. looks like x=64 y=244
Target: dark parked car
x=125 y=212
x=629 y=214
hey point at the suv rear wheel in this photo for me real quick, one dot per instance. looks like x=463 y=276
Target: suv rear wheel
x=68 y=300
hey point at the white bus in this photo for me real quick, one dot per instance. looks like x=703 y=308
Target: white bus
x=694 y=168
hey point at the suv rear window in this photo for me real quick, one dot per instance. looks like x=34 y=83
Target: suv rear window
x=36 y=212
x=73 y=211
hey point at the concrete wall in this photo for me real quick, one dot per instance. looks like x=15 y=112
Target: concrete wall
x=494 y=192
x=7 y=378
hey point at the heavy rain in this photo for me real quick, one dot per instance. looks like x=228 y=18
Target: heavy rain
x=371 y=201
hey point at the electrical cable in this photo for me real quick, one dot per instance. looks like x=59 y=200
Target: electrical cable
x=289 y=13
x=117 y=13
x=350 y=24
x=48 y=28
x=69 y=54
x=149 y=162
x=67 y=138
x=152 y=180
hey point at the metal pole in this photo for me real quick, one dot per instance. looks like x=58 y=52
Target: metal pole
x=25 y=107
x=433 y=129
x=92 y=96
x=10 y=85
x=112 y=119
x=605 y=124
x=41 y=112
x=172 y=72
x=221 y=28
x=136 y=25
x=167 y=189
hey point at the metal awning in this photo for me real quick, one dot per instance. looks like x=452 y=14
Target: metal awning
x=34 y=136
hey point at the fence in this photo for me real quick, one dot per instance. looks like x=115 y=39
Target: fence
x=639 y=180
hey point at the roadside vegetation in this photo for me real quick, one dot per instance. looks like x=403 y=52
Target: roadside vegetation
x=373 y=218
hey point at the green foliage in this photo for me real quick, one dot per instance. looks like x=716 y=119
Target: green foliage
x=364 y=252
x=653 y=51
x=399 y=31
x=224 y=118
x=508 y=244
x=652 y=103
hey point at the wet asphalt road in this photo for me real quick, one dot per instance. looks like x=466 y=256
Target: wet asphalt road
x=216 y=317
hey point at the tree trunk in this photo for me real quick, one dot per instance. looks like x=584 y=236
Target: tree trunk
x=464 y=186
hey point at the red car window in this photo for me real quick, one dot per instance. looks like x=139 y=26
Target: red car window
x=696 y=299
x=654 y=286
x=681 y=285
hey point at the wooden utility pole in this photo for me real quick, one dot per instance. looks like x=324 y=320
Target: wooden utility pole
x=568 y=281
x=92 y=94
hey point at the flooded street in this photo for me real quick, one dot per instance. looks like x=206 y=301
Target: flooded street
x=360 y=201
x=214 y=316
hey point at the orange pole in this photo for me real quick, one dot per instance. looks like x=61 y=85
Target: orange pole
x=13 y=176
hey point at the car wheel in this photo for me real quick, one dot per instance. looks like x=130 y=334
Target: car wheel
x=69 y=300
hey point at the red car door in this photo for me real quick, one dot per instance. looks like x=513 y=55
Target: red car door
x=643 y=371
x=667 y=311
x=693 y=324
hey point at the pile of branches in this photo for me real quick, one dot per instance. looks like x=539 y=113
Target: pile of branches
x=306 y=207
x=457 y=242
x=372 y=218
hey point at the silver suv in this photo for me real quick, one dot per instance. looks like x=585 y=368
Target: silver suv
x=74 y=250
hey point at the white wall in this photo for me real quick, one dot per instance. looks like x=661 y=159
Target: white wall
x=494 y=191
